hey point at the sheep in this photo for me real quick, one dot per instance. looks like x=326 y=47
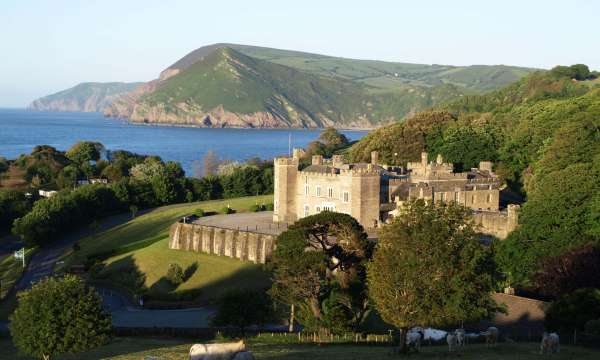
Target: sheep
x=491 y=336
x=244 y=355
x=550 y=343
x=414 y=337
x=222 y=351
x=452 y=341
x=460 y=337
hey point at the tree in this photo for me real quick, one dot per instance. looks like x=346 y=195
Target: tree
x=565 y=273
x=572 y=311
x=175 y=274
x=85 y=151
x=333 y=138
x=59 y=316
x=211 y=163
x=318 y=265
x=429 y=269
x=242 y=308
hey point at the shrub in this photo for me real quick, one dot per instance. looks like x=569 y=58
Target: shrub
x=59 y=316
x=269 y=207
x=175 y=274
x=199 y=213
x=243 y=308
x=256 y=208
x=227 y=210
x=573 y=311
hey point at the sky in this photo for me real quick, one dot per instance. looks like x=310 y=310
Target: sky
x=48 y=46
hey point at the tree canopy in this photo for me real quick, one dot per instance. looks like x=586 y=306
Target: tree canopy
x=319 y=265
x=429 y=269
x=59 y=316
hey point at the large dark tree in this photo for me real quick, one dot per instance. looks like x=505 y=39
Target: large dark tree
x=319 y=266
x=571 y=311
x=429 y=269
x=565 y=273
x=59 y=316
x=243 y=308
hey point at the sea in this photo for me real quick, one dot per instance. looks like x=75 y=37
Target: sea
x=21 y=130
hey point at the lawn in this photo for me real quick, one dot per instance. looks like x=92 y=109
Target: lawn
x=140 y=256
x=167 y=349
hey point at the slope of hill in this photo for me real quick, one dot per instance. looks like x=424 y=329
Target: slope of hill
x=88 y=97
x=228 y=85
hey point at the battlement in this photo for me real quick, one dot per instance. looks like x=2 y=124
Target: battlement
x=285 y=161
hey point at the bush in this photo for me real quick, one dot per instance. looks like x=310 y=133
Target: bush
x=199 y=213
x=593 y=327
x=573 y=311
x=256 y=208
x=59 y=316
x=269 y=207
x=227 y=210
x=175 y=274
x=243 y=308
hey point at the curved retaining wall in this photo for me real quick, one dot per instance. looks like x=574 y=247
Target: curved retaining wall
x=239 y=244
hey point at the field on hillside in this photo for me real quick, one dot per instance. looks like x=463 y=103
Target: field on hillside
x=168 y=349
x=136 y=255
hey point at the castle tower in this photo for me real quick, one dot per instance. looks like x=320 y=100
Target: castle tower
x=285 y=177
x=365 y=187
x=424 y=159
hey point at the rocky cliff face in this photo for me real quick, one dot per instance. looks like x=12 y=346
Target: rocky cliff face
x=86 y=97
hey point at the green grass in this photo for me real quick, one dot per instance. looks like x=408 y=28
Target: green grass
x=10 y=272
x=168 y=349
x=142 y=256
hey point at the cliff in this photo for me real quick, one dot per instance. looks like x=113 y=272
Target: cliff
x=87 y=97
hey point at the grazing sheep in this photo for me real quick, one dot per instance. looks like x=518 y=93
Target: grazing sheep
x=223 y=351
x=491 y=336
x=460 y=337
x=550 y=343
x=414 y=337
x=244 y=355
x=452 y=341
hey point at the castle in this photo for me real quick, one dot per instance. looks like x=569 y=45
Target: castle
x=373 y=193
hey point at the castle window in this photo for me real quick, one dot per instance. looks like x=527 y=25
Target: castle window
x=306 y=210
x=346 y=197
x=489 y=198
x=306 y=190
x=318 y=209
x=318 y=191
x=330 y=192
x=456 y=196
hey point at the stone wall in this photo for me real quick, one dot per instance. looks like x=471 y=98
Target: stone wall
x=239 y=244
x=497 y=223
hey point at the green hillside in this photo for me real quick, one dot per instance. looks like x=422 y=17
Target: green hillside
x=379 y=74
x=229 y=85
x=543 y=134
x=89 y=96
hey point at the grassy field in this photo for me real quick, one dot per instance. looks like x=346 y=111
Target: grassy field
x=10 y=271
x=168 y=349
x=141 y=256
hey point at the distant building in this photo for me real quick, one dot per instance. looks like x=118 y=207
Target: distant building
x=92 y=181
x=373 y=192
x=47 y=193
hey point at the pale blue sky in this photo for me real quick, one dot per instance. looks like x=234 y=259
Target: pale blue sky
x=51 y=45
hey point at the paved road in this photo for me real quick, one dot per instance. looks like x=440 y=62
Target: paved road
x=41 y=265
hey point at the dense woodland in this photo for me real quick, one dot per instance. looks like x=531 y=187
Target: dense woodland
x=543 y=133
x=135 y=182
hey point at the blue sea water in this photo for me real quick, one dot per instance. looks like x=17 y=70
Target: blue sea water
x=21 y=130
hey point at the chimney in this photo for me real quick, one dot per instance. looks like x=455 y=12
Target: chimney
x=439 y=160
x=485 y=166
x=317 y=160
x=424 y=159
x=298 y=153
x=337 y=160
x=374 y=157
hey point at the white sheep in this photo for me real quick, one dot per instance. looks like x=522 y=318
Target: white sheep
x=550 y=343
x=414 y=337
x=460 y=337
x=222 y=351
x=452 y=341
x=491 y=336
